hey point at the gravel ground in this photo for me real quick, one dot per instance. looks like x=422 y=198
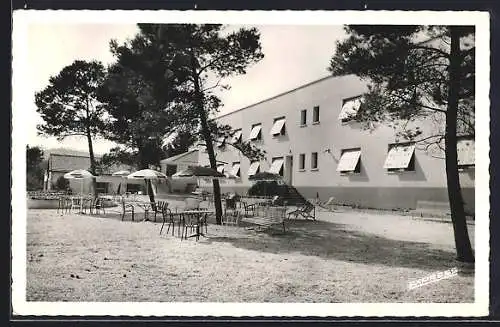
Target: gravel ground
x=343 y=257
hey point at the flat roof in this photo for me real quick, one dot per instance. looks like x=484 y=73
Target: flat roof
x=281 y=94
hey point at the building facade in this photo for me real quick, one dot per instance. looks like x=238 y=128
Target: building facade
x=59 y=164
x=311 y=139
x=177 y=163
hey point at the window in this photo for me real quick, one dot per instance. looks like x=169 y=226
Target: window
x=316 y=115
x=277 y=166
x=302 y=161
x=220 y=169
x=314 y=160
x=278 y=127
x=350 y=109
x=236 y=169
x=171 y=169
x=350 y=161
x=236 y=136
x=254 y=168
x=303 y=117
x=465 y=152
x=255 y=133
x=400 y=157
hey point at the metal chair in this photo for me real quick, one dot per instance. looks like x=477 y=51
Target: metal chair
x=62 y=204
x=75 y=202
x=97 y=205
x=158 y=207
x=127 y=208
x=231 y=217
x=169 y=218
x=189 y=222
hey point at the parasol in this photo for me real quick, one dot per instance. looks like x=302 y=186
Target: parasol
x=79 y=174
x=148 y=175
x=199 y=171
x=123 y=174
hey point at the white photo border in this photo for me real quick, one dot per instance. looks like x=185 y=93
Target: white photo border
x=21 y=20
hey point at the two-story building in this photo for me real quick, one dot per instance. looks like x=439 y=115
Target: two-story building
x=312 y=141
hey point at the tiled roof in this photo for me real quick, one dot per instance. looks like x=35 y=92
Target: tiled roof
x=68 y=152
x=65 y=163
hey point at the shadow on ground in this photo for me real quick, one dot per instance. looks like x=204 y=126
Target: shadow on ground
x=333 y=241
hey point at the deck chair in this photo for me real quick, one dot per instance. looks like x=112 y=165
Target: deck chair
x=307 y=211
x=328 y=205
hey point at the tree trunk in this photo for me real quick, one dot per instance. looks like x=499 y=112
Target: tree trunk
x=149 y=185
x=210 y=148
x=462 y=242
x=143 y=162
x=92 y=162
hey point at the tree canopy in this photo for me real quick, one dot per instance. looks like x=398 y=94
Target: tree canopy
x=142 y=98
x=407 y=70
x=69 y=106
x=34 y=169
x=201 y=56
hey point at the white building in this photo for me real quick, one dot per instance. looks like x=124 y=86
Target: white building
x=312 y=142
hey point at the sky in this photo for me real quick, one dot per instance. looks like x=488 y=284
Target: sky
x=293 y=55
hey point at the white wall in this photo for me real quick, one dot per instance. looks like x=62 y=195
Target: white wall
x=330 y=134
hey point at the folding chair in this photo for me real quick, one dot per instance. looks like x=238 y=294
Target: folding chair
x=308 y=210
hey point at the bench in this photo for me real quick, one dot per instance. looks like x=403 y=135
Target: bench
x=269 y=216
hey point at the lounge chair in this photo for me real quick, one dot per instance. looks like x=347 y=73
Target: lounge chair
x=307 y=211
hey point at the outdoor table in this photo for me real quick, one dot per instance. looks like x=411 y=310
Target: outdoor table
x=198 y=214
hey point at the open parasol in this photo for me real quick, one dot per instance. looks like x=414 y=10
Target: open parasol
x=199 y=171
x=148 y=175
x=79 y=174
